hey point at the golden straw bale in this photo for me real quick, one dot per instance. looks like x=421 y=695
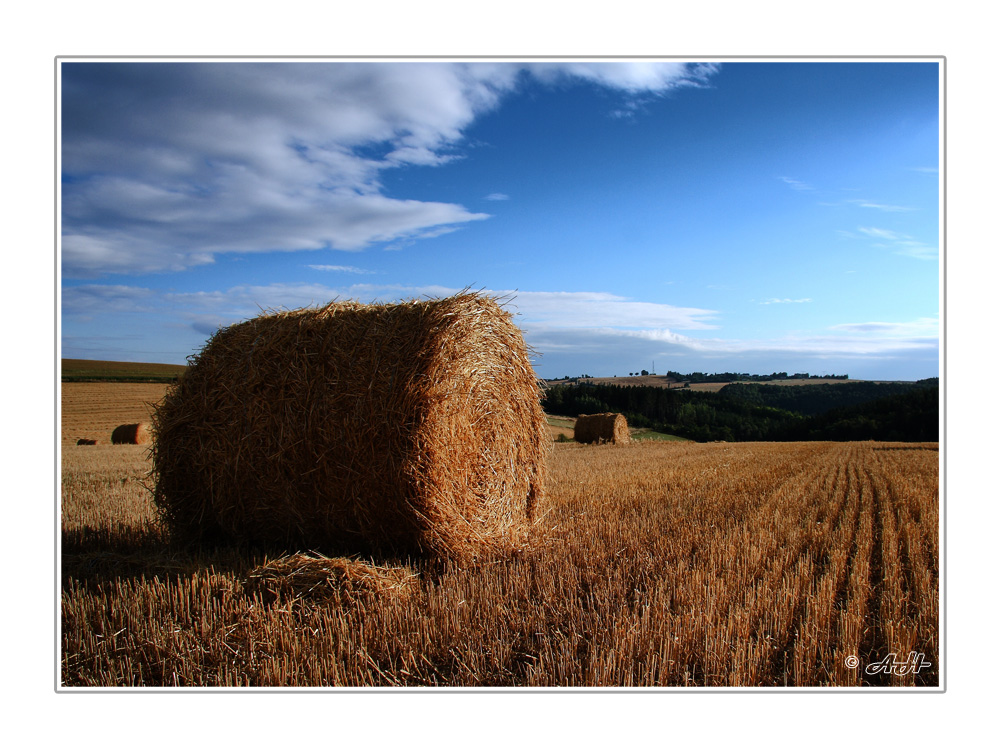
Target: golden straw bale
x=85 y=441
x=402 y=428
x=606 y=427
x=131 y=434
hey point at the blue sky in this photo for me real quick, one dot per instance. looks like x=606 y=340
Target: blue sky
x=730 y=216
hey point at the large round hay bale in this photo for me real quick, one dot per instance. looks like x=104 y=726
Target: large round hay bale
x=131 y=434
x=403 y=428
x=606 y=427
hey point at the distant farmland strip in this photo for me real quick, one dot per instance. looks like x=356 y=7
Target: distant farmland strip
x=87 y=370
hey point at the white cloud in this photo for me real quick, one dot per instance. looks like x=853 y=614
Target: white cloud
x=340 y=269
x=94 y=300
x=497 y=196
x=562 y=327
x=795 y=184
x=919 y=250
x=884 y=207
x=786 y=301
x=565 y=310
x=165 y=165
x=901 y=244
x=634 y=77
x=922 y=327
x=872 y=231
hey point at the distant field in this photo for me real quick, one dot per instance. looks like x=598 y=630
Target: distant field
x=645 y=380
x=663 y=381
x=641 y=435
x=560 y=426
x=714 y=387
x=92 y=370
x=92 y=410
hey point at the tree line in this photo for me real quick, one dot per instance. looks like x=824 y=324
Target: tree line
x=862 y=411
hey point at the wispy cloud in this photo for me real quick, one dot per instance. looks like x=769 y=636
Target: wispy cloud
x=340 y=269
x=412 y=239
x=921 y=327
x=166 y=165
x=785 y=301
x=884 y=207
x=637 y=77
x=875 y=232
x=795 y=184
x=497 y=196
x=901 y=244
x=564 y=309
x=629 y=109
x=559 y=326
x=88 y=302
x=640 y=346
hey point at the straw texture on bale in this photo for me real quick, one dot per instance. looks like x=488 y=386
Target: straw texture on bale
x=385 y=428
x=131 y=434
x=606 y=427
x=85 y=441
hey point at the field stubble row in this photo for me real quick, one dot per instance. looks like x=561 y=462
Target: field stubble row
x=655 y=564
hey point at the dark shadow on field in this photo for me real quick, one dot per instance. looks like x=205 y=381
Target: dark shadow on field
x=93 y=556
x=96 y=556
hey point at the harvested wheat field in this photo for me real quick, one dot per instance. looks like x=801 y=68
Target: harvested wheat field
x=658 y=564
x=93 y=410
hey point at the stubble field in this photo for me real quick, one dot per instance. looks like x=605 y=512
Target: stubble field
x=653 y=564
x=91 y=410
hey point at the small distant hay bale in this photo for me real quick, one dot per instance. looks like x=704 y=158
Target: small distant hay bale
x=131 y=434
x=85 y=441
x=411 y=428
x=606 y=427
x=320 y=578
